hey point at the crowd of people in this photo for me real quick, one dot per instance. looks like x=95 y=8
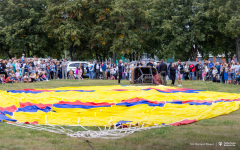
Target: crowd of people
x=226 y=73
x=32 y=70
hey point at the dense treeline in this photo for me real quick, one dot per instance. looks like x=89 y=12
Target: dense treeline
x=100 y=29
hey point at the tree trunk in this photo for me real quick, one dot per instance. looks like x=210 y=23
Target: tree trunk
x=226 y=56
x=114 y=57
x=237 y=48
x=96 y=54
x=195 y=52
x=72 y=52
x=28 y=50
x=9 y=55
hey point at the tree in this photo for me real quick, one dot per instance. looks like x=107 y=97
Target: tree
x=21 y=30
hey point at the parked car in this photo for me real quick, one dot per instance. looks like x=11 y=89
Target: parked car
x=74 y=64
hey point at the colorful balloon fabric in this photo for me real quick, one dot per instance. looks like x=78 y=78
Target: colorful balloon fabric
x=114 y=105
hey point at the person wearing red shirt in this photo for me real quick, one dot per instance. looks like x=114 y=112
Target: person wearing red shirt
x=191 y=71
x=8 y=80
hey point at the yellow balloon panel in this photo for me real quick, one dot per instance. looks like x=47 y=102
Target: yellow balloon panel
x=111 y=105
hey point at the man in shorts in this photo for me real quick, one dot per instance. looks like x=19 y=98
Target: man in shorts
x=180 y=72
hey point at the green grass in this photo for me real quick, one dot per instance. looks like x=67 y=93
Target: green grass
x=220 y=129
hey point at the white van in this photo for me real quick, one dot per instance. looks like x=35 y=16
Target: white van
x=74 y=64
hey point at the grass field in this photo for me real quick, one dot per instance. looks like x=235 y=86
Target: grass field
x=220 y=129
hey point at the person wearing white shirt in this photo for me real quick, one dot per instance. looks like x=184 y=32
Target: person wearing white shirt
x=233 y=68
x=97 y=70
x=36 y=62
x=64 y=69
x=237 y=67
x=215 y=71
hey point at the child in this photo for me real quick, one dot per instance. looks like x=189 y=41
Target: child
x=13 y=78
x=48 y=72
x=71 y=76
x=226 y=76
x=221 y=76
x=40 y=76
x=30 y=69
x=33 y=70
x=3 y=79
x=11 y=73
x=229 y=76
x=215 y=78
x=36 y=76
x=17 y=74
x=44 y=78
x=25 y=78
x=37 y=68
x=204 y=75
x=77 y=70
x=113 y=72
x=20 y=71
x=237 y=80
x=31 y=78
x=39 y=71
x=80 y=73
x=26 y=68
x=9 y=79
x=19 y=79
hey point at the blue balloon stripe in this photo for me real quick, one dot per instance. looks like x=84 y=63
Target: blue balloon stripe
x=77 y=106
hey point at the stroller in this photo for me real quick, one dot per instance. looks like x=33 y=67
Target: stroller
x=145 y=75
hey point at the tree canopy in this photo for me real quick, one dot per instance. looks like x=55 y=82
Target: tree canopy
x=103 y=29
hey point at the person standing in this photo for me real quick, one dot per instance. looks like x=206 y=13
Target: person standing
x=172 y=69
x=186 y=71
x=237 y=68
x=125 y=71
x=180 y=72
x=91 y=69
x=9 y=65
x=196 y=70
x=128 y=71
x=64 y=69
x=210 y=69
x=168 y=70
x=43 y=66
x=108 y=69
x=191 y=71
x=139 y=64
x=52 y=70
x=120 y=71
x=26 y=67
x=200 y=69
x=57 y=67
x=104 y=68
x=150 y=63
x=80 y=71
x=233 y=67
x=97 y=70
x=163 y=70
x=218 y=66
x=17 y=65
x=14 y=65
x=2 y=68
